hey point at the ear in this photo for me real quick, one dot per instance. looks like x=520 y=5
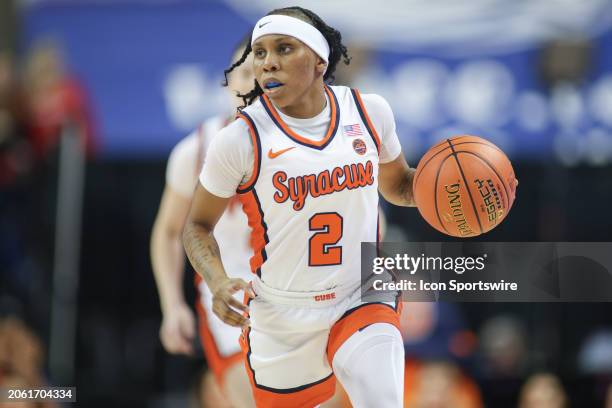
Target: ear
x=321 y=66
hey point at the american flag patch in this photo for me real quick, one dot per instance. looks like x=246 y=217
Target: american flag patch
x=353 y=130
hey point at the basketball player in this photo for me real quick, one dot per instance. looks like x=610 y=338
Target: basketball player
x=307 y=161
x=219 y=341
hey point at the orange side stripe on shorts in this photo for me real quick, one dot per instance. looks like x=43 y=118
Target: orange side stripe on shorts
x=357 y=319
x=259 y=234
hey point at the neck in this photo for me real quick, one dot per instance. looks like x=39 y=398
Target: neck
x=309 y=105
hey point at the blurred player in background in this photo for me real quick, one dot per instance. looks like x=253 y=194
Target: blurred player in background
x=219 y=341
x=309 y=182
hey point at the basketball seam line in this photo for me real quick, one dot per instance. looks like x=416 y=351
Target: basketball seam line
x=497 y=174
x=467 y=187
x=416 y=176
x=436 y=193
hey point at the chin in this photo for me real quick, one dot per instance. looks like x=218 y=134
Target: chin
x=280 y=101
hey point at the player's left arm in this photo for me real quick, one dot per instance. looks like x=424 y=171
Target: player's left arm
x=395 y=182
x=394 y=175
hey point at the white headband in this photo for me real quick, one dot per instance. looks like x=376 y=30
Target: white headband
x=294 y=27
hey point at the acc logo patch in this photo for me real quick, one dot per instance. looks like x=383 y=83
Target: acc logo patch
x=360 y=146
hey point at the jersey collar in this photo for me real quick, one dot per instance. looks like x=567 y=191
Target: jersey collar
x=315 y=144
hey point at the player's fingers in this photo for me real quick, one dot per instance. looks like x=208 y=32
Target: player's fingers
x=236 y=319
x=240 y=284
x=250 y=291
x=229 y=316
x=237 y=284
x=233 y=302
x=227 y=300
x=222 y=306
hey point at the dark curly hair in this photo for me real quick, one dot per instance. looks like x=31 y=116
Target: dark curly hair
x=334 y=39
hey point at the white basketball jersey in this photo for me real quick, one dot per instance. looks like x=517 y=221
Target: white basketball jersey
x=232 y=230
x=310 y=203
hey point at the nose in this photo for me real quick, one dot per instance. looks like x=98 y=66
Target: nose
x=271 y=63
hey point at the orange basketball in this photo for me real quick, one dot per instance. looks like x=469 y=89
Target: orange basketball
x=464 y=186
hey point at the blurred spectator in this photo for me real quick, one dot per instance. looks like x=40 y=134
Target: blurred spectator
x=564 y=66
x=543 y=391
x=435 y=330
x=15 y=164
x=18 y=382
x=595 y=356
x=503 y=347
x=436 y=333
x=14 y=149
x=21 y=360
x=56 y=99
x=439 y=385
x=433 y=384
x=21 y=351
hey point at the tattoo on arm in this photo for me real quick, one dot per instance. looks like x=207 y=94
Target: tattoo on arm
x=211 y=251
x=202 y=250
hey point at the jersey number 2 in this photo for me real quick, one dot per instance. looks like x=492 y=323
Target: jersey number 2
x=321 y=251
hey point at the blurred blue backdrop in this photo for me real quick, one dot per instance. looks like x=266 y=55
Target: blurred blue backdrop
x=154 y=69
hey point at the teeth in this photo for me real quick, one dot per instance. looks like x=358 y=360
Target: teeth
x=271 y=85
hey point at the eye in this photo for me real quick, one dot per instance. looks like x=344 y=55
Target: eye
x=285 y=48
x=259 y=53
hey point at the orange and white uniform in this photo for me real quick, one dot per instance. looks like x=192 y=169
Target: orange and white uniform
x=310 y=190
x=219 y=341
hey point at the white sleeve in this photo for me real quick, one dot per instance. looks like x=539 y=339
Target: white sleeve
x=229 y=160
x=181 y=172
x=383 y=121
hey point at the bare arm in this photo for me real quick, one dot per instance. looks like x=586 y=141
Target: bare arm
x=395 y=182
x=168 y=260
x=167 y=255
x=203 y=252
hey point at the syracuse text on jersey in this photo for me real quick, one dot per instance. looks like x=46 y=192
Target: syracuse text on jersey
x=298 y=188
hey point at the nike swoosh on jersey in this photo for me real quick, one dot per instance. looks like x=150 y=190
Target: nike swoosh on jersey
x=274 y=155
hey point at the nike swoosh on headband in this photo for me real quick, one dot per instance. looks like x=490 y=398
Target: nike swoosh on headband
x=263 y=24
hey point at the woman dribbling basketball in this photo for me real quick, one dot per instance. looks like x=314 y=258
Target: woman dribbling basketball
x=307 y=161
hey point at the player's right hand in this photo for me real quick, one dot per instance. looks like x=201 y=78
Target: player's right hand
x=178 y=330
x=225 y=305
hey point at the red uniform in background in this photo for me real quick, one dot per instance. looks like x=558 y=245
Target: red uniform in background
x=62 y=103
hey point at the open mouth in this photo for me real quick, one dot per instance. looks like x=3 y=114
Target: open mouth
x=272 y=85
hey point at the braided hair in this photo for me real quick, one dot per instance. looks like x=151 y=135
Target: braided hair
x=334 y=39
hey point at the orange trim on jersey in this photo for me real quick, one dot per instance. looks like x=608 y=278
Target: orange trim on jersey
x=259 y=229
x=218 y=363
x=256 y=152
x=355 y=320
x=368 y=123
x=333 y=123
